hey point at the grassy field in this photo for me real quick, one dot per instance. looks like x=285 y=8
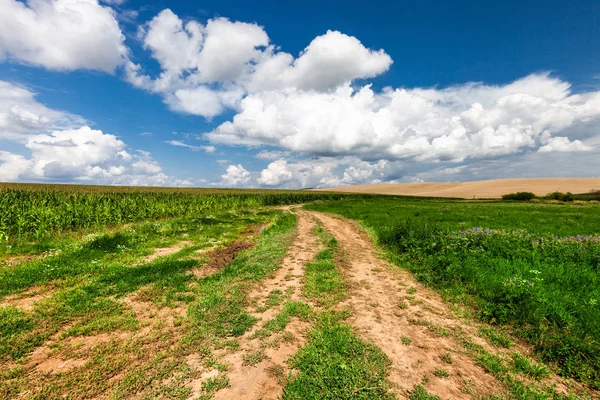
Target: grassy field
x=199 y=290
x=532 y=269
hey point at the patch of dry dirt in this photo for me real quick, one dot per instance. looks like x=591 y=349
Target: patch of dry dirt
x=262 y=380
x=27 y=299
x=165 y=251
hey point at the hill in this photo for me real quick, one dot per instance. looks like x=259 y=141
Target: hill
x=479 y=189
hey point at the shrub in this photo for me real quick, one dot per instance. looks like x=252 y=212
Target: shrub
x=522 y=196
x=559 y=196
x=595 y=194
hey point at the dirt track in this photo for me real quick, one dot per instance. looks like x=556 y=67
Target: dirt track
x=375 y=299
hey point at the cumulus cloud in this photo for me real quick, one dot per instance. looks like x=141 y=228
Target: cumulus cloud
x=12 y=166
x=329 y=61
x=327 y=172
x=84 y=155
x=236 y=175
x=61 y=34
x=21 y=114
x=563 y=144
x=276 y=173
x=208 y=68
x=62 y=150
x=423 y=125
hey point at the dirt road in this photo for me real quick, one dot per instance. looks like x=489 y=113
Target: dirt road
x=408 y=322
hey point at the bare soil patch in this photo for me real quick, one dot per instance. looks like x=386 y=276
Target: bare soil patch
x=165 y=251
x=27 y=299
x=219 y=259
x=478 y=189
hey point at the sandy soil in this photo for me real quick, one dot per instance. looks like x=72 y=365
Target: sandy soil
x=479 y=189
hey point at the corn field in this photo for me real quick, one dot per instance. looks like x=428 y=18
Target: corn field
x=38 y=210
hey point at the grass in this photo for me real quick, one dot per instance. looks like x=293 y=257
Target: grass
x=87 y=282
x=323 y=282
x=419 y=393
x=336 y=364
x=441 y=373
x=530 y=269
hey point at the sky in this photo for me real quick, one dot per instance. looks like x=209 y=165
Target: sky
x=297 y=94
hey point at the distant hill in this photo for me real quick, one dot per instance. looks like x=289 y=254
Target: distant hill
x=479 y=189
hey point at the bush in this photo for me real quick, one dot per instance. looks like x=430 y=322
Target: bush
x=559 y=196
x=595 y=194
x=523 y=196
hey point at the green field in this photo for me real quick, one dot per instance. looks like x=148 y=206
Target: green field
x=532 y=268
x=130 y=284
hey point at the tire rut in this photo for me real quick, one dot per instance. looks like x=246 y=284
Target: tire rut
x=263 y=380
x=375 y=298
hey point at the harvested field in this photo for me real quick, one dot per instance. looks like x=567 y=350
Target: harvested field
x=491 y=189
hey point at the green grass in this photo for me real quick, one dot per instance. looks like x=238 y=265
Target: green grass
x=520 y=266
x=419 y=393
x=441 y=373
x=336 y=364
x=220 y=310
x=85 y=300
x=323 y=282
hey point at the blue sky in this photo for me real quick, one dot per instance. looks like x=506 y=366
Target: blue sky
x=305 y=94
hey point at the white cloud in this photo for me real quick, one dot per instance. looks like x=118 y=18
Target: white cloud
x=114 y=2
x=329 y=61
x=236 y=175
x=206 y=149
x=563 y=144
x=207 y=68
x=83 y=155
x=12 y=166
x=275 y=174
x=74 y=153
x=21 y=114
x=328 y=172
x=61 y=34
x=423 y=125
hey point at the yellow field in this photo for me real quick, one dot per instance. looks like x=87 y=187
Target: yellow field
x=479 y=189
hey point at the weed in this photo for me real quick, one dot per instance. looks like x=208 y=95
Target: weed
x=419 y=393
x=441 y=373
x=254 y=357
x=446 y=358
x=405 y=340
x=523 y=365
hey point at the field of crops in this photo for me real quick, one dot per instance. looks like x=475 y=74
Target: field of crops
x=28 y=210
x=531 y=269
